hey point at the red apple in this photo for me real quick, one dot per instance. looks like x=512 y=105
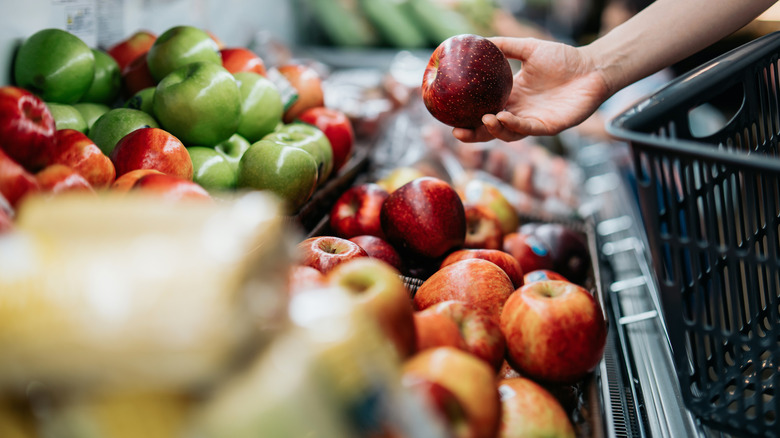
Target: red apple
x=424 y=217
x=302 y=278
x=467 y=77
x=541 y=275
x=15 y=180
x=437 y=330
x=568 y=248
x=307 y=82
x=77 y=151
x=58 y=178
x=337 y=127
x=504 y=260
x=481 y=192
x=507 y=372
x=136 y=76
x=237 y=59
x=357 y=210
x=555 y=331
x=26 y=128
x=171 y=187
x=379 y=248
x=137 y=44
x=443 y=403
x=324 y=253
x=379 y=290
x=471 y=380
x=126 y=182
x=152 y=148
x=529 y=250
x=481 y=335
x=483 y=229
x=529 y=410
x=477 y=282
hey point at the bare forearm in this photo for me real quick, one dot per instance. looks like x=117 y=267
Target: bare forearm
x=665 y=32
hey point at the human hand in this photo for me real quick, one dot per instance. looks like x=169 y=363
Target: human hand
x=557 y=87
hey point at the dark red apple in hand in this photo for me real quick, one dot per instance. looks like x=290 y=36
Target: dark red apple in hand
x=58 y=178
x=324 y=253
x=529 y=250
x=77 y=151
x=337 y=127
x=357 y=210
x=424 y=217
x=26 y=128
x=504 y=260
x=529 y=410
x=555 y=331
x=476 y=332
x=483 y=229
x=479 y=283
x=152 y=148
x=15 y=180
x=467 y=77
x=171 y=187
x=379 y=248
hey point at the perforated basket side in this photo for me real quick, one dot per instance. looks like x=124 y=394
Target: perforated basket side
x=712 y=213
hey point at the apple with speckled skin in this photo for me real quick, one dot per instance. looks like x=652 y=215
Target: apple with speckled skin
x=379 y=248
x=424 y=217
x=555 y=331
x=467 y=77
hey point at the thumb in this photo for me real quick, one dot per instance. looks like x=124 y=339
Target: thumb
x=515 y=48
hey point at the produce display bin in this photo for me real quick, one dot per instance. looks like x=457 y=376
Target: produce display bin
x=711 y=210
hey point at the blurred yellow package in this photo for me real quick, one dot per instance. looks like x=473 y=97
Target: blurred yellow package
x=132 y=292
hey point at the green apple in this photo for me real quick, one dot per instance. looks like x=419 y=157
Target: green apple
x=211 y=169
x=142 y=100
x=233 y=149
x=287 y=171
x=91 y=112
x=179 y=46
x=107 y=81
x=56 y=65
x=115 y=124
x=67 y=117
x=199 y=103
x=310 y=139
x=261 y=106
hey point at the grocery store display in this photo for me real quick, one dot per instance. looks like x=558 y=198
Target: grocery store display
x=77 y=151
x=55 y=65
x=529 y=410
x=555 y=331
x=357 y=211
x=475 y=331
x=502 y=259
x=467 y=77
x=26 y=127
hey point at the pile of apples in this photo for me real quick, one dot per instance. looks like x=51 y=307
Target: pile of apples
x=500 y=316
x=180 y=115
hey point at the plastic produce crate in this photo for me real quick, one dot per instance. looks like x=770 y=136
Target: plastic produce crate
x=711 y=207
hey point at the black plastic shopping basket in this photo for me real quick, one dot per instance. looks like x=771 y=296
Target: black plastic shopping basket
x=711 y=206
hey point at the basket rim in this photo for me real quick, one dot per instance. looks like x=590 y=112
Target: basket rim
x=688 y=88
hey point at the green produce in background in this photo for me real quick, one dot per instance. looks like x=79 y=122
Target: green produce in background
x=438 y=21
x=391 y=19
x=344 y=23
